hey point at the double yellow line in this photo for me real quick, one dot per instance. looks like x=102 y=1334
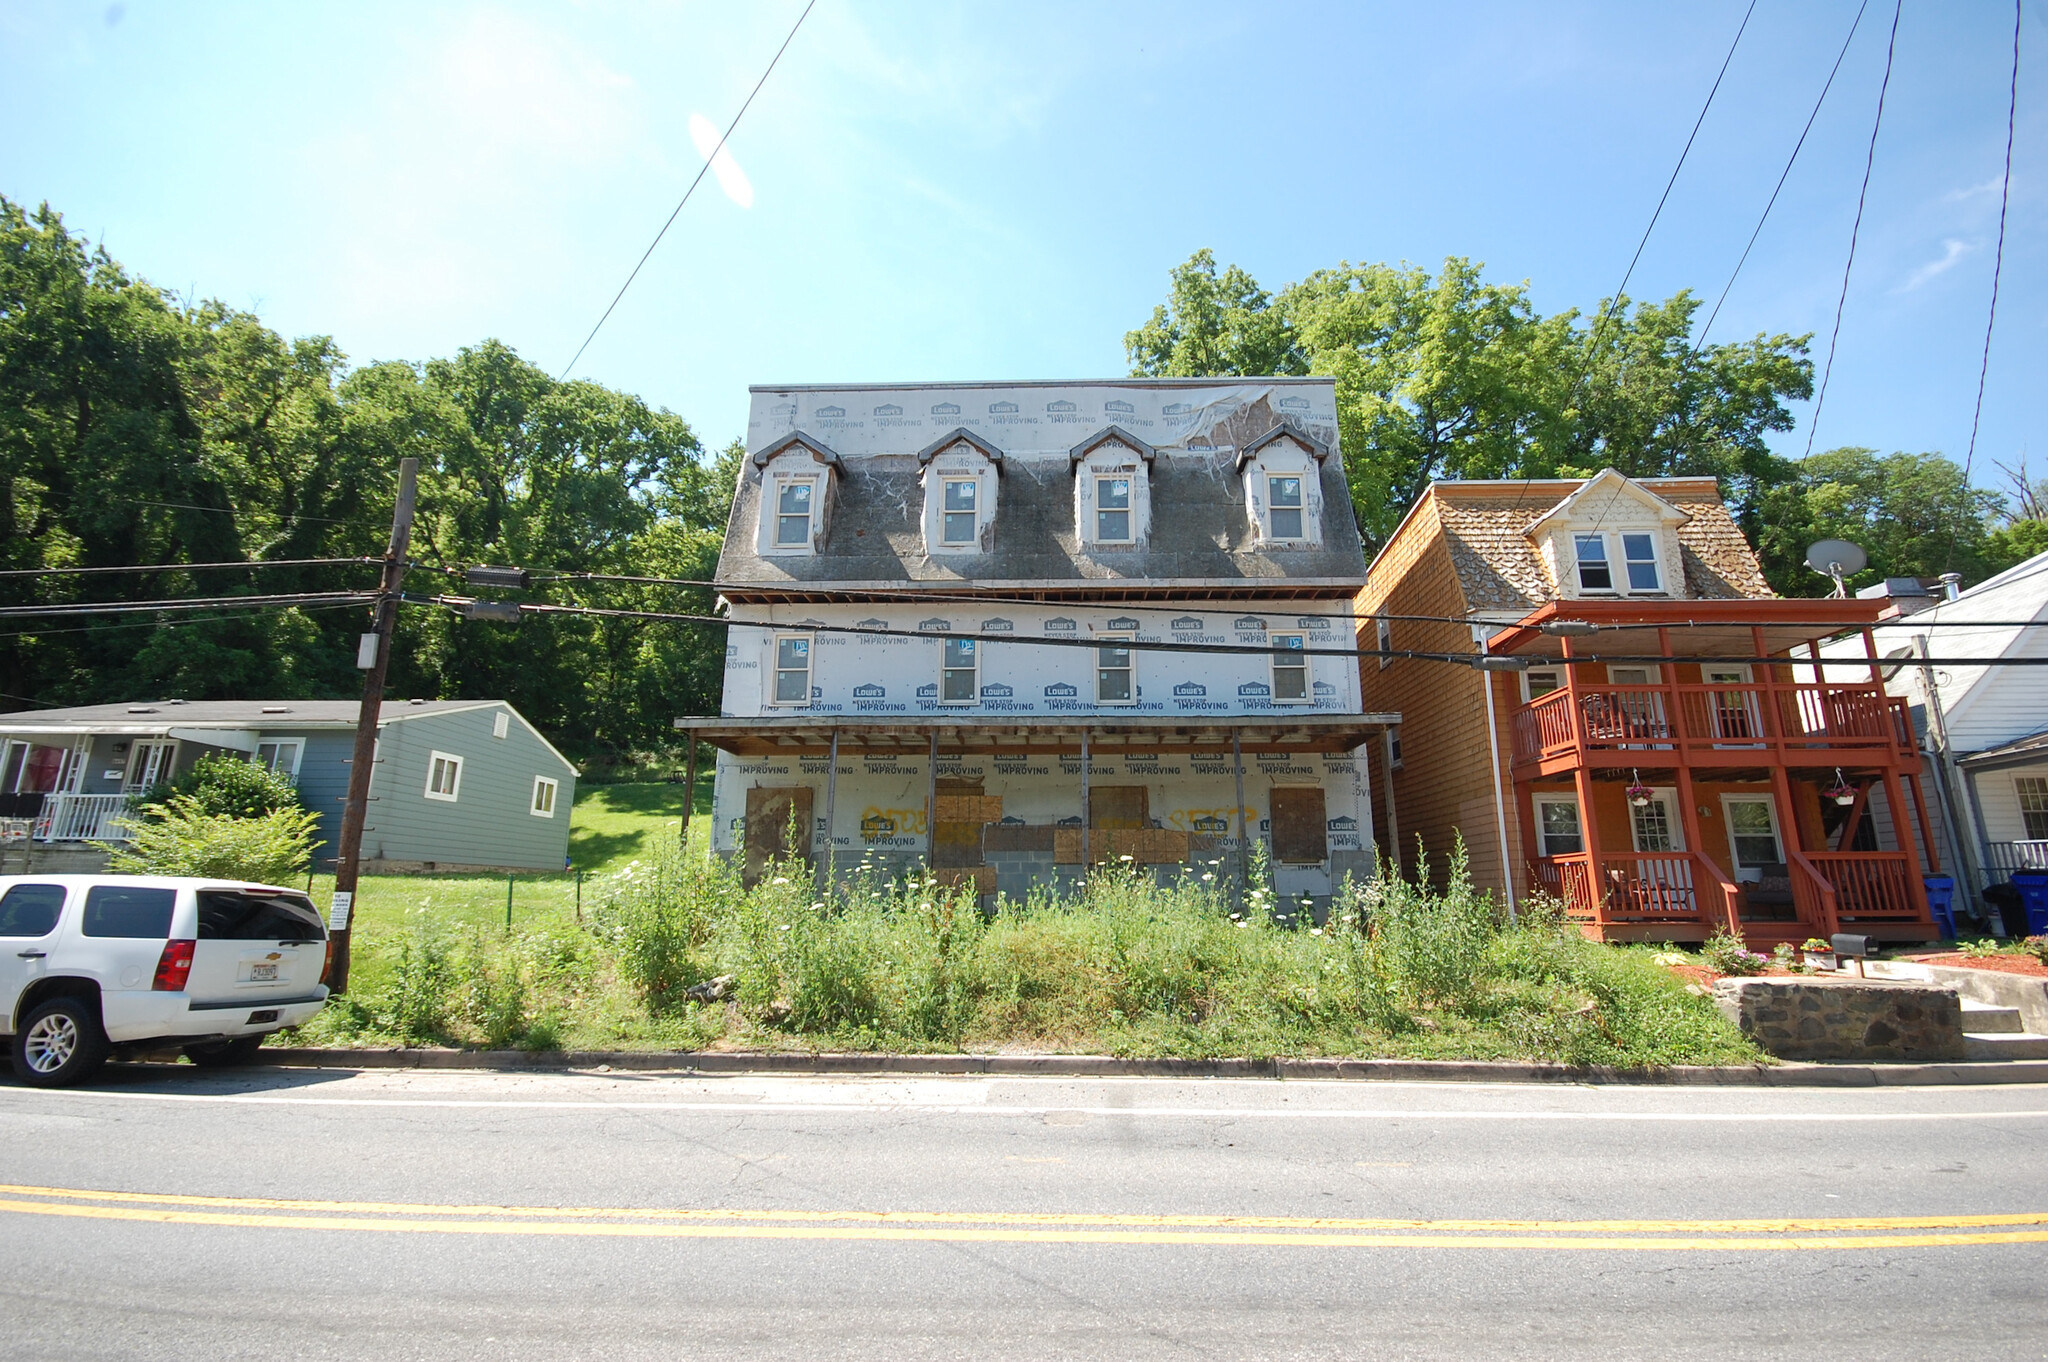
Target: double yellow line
x=1891 y=1232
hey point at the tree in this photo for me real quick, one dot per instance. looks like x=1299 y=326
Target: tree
x=1914 y=514
x=1449 y=376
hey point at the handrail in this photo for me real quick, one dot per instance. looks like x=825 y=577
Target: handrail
x=1730 y=891
x=1820 y=889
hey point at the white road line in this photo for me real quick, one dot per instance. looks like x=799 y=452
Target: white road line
x=1147 y=1113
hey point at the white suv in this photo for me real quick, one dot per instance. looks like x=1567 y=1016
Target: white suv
x=92 y=965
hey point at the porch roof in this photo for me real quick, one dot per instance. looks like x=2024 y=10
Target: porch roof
x=1704 y=629
x=1033 y=733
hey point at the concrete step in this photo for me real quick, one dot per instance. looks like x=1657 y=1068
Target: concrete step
x=2005 y=1045
x=1981 y=1018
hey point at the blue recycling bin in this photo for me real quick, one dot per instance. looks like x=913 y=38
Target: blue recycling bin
x=1941 y=901
x=2033 y=887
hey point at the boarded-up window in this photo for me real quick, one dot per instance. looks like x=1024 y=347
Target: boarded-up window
x=957 y=823
x=1300 y=832
x=1118 y=806
x=770 y=815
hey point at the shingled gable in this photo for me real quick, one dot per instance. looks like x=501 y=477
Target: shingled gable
x=796 y=438
x=1606 y=480
x=1486 y=527
x=1283 y=431
x=959 y=436
x=1103 y=437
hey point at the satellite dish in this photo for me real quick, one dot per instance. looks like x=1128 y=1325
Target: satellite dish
x=1837 y=558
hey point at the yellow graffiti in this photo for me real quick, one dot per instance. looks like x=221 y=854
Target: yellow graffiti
x=906 y=822
x=1185 y=820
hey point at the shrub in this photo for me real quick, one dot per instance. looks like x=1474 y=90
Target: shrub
x=1725 y=954
x=179 y=837
x=234 y=788
x=2036 y=946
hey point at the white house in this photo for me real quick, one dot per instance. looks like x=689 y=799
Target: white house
x=967 y=623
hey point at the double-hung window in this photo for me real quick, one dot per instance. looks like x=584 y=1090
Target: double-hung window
x=792 y=669
x=1113 y=510
x=1595 y=572
x=1283 y=507
x=544 y=797
x=793 y=513
x=280 y=756
x=444 y=776
x=957 y=671
x=2033 y=797
x=1557 y=825
x=956 y=517
x=1639 y=556
x=1290 y=669
x=1115 y=679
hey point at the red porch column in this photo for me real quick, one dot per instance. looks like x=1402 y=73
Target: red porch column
x=1927 y=843
x=1589 y=838
x=1788 y=829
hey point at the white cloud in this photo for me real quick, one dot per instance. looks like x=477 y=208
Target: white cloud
x=1974 y=191
x=1952 y=251
x=704 y=133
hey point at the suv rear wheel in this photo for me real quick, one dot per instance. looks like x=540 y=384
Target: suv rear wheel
x=222 y=1054
x=60 y=1042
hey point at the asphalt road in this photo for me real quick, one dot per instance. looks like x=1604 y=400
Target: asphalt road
x=272 y=1214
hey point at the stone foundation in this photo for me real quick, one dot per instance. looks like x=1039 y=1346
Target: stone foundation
x=1864 y=1020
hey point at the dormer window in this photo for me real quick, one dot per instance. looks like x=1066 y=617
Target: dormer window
x=1595 y=574
x=793 y=502
x=1112 y=510
x=1283 y=507
x=1640 y=553
x=958 y=525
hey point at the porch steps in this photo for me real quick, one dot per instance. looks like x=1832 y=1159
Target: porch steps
x=2004 y=1045
x=1982 y=1018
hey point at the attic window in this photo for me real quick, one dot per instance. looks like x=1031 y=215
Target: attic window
x=1113 y=510
x=1595 y=573
x=793 y=513
x=1640 y=554
x=1283 y=507
x=958 y=516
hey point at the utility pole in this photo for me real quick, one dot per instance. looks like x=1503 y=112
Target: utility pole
x=374 y=657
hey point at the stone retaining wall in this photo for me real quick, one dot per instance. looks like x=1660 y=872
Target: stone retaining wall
x=1846 y=1019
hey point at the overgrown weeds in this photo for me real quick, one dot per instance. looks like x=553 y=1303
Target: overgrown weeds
x=677 y=953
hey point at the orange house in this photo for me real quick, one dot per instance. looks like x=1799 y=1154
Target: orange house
x=1641 y=740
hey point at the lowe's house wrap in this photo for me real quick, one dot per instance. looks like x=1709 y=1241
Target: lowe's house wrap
x=961 y=588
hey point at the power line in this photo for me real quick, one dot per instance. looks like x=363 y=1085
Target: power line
x=687 y=192
x=1998 y=261
x=185 y=603
x=152 y=624
x=1593 y=333
x=187 y=567
x=1782 y=176
x=1870 y=159
x=223 y=510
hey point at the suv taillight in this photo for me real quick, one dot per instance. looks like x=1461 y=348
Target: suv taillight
x=327 y=962
x=173 y=967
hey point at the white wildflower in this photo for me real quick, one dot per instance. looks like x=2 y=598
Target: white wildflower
x=780 y=879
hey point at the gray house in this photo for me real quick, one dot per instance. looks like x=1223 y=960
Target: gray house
x=459 y=784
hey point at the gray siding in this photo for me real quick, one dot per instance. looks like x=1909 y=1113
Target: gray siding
x=323 y=780
x=490 y=823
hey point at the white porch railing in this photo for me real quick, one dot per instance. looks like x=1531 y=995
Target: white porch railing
x=82 y=818
x=2007 y=857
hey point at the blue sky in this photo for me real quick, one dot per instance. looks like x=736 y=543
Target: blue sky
x=998 y=191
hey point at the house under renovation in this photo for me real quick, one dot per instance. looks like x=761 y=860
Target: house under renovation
x=1014 y=629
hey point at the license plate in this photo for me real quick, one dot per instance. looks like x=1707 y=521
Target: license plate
x=263 y=973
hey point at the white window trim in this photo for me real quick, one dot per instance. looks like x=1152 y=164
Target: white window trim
x=1728 y=802
x=773 y=510
x=1102 y=640
x=1529 y=696
x=974 y=691
x=130 y=772
x=450 y=796
x=1302 y=508
x=1669 y=795
x=1396 y=758
x=775 y=667
x=501 y=724
x=1536 y=803
x=2020 y=796
x=1308 y=675
x=973 y=539
x=554 y=789
x=1129 y=509
x=297 y=746
x=1383 y=638
x=1656 y=672
x=1617 y=564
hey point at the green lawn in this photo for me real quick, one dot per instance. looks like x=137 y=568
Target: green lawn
x=614 y=824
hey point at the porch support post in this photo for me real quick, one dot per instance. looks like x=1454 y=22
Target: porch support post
x=1846 y=834
x=1674 y=719
x=1788 y=830
x=1244 y=849
x=1917 y=788
x=1589 y=837
x=831 y=859
x=931 y=807
x=1695 y=837
x=1774 y=724
x=1916 y=888
x=1393 y=821
x=1084 y=803
x=689 y=793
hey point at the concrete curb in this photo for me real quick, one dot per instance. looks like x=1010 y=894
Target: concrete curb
x=1109 y=1066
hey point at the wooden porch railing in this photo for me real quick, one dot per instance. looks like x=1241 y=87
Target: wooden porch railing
x=1797 y=717
x=1650 y=886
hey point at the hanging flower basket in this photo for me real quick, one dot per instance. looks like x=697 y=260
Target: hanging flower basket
x=1639 y=795
x=1843 y=794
